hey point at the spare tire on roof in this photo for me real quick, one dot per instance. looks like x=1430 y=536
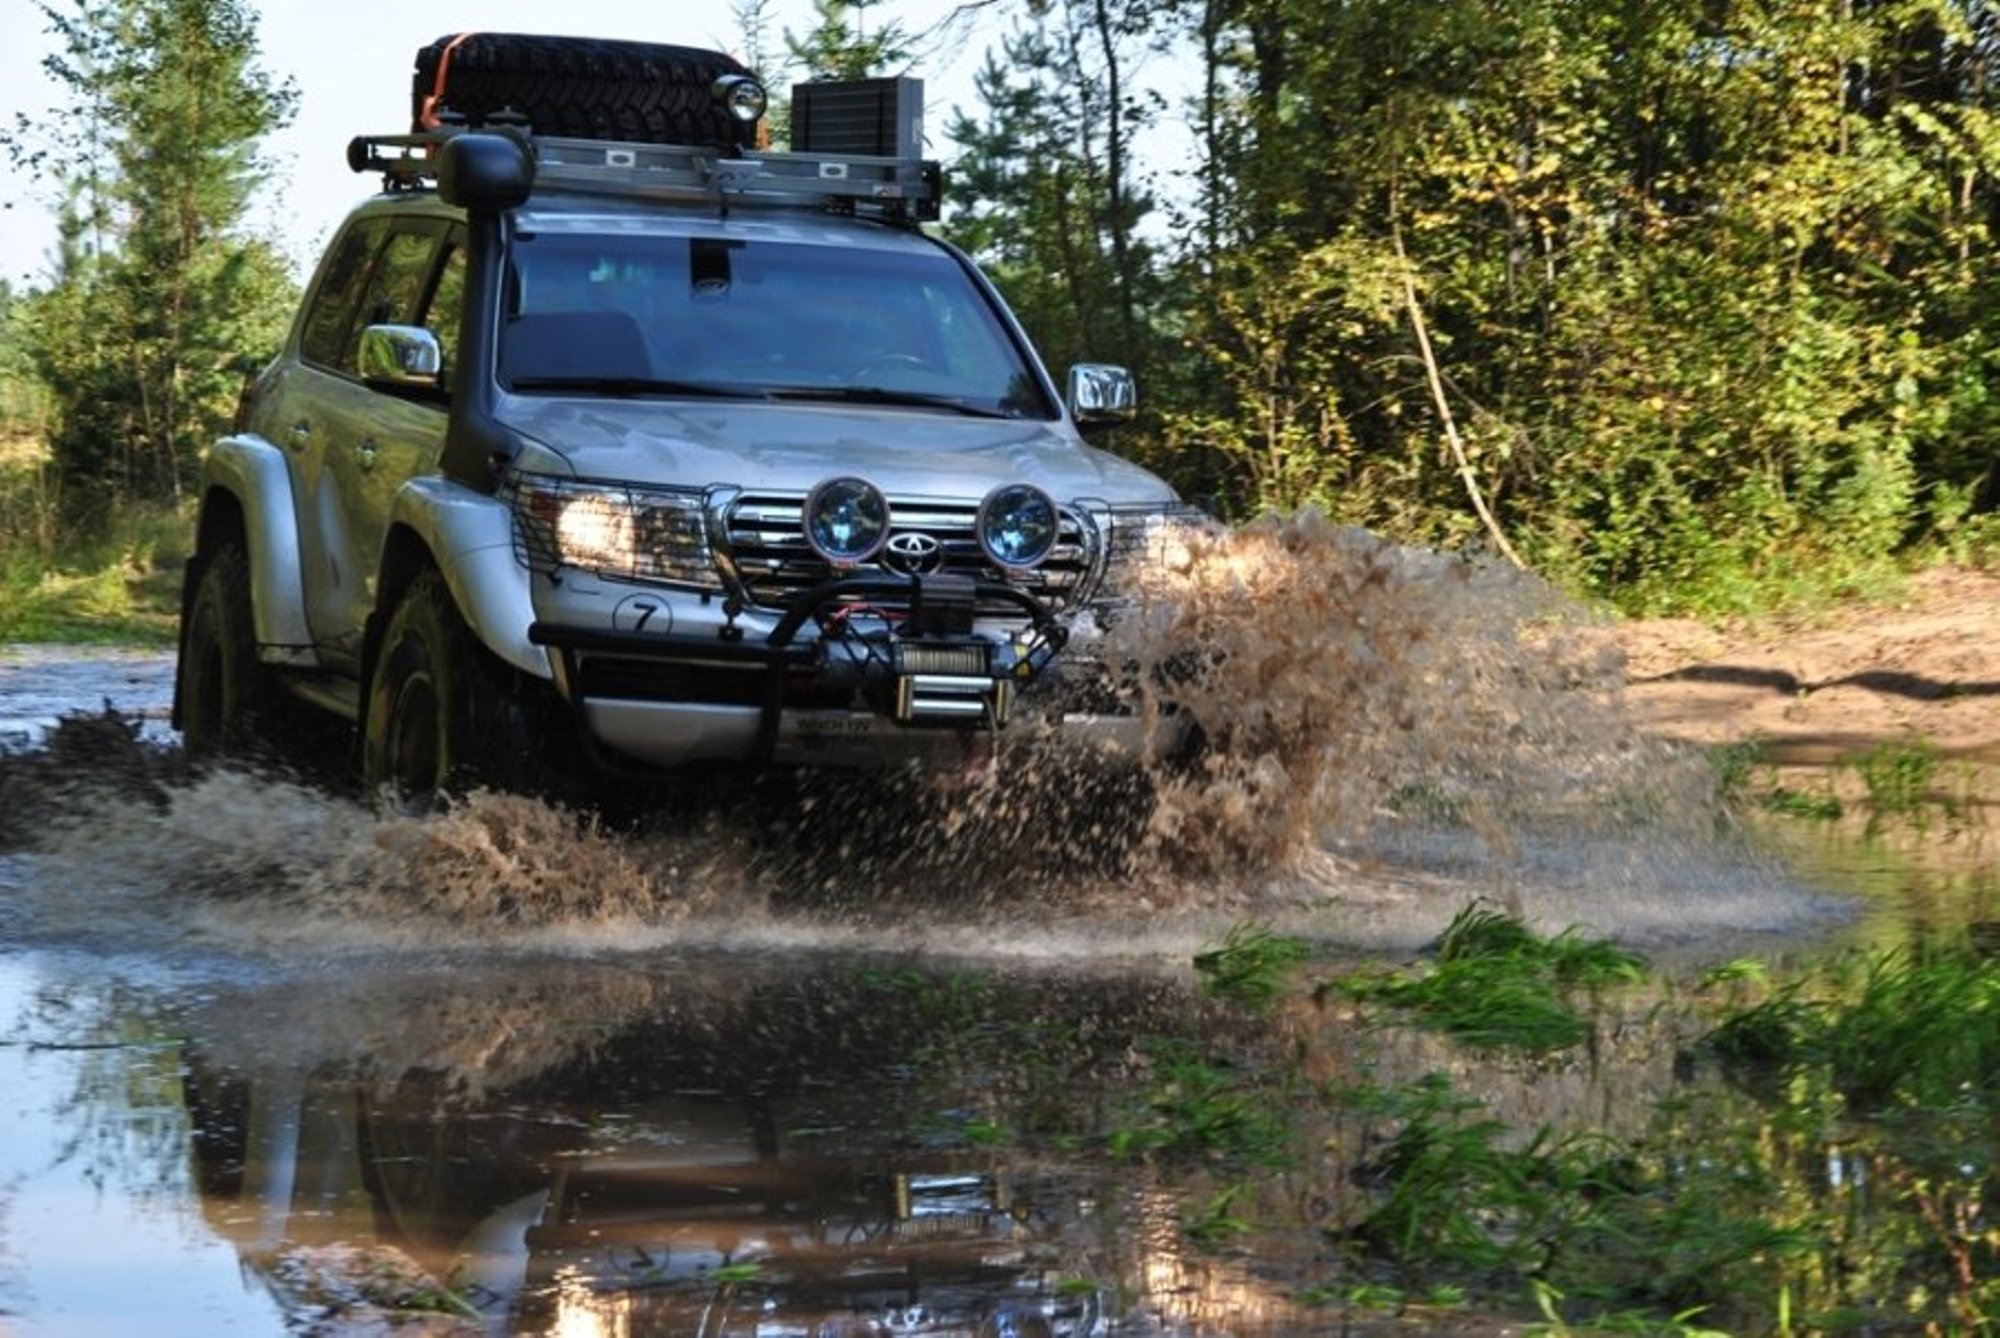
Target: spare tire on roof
x=579 y=87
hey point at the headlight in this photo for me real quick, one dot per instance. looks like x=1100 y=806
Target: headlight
x=634 y=534
x=743 y=96
x=1148 y=544
x=1018 y=526
x=594 y=531
x=846 y=520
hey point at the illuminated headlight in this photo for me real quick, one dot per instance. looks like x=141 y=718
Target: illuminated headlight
x=634 y=534
x=1018 y=526
x=743 y=96
x=846 y=520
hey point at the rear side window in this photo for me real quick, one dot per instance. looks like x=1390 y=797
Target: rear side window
x=382 y=274
x=331 y=315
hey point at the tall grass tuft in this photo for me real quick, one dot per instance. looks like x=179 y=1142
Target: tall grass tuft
x=1252 y=965
x=1898 y=775
x=1915 y=1028
x=1496 y=984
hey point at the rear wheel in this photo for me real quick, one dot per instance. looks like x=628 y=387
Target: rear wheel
x=224 y=696
x=444 y=714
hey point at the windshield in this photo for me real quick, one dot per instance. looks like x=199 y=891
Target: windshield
x=728 y=318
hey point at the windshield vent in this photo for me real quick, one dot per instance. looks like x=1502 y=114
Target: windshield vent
x=770 y=550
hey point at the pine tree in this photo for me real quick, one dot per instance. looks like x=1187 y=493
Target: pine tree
x=159 y=304
x=840 y=46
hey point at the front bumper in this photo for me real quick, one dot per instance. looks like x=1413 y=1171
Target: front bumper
x=867 y=671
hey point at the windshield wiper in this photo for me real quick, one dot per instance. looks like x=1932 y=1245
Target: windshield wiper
x=878 y=395
x=637 y=385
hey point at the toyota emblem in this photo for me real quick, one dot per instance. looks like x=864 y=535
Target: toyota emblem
x=913 y=554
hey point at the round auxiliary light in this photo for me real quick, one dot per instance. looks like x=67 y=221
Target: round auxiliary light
x=1018 y=525
x=846 y=520
x=743 y=96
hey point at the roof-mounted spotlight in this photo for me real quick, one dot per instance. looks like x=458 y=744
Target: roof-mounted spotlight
x=743 y=96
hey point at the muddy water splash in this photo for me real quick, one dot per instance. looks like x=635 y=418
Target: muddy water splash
x=1331 y=673
x=1332 y=681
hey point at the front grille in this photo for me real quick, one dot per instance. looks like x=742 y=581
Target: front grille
x=762 y=534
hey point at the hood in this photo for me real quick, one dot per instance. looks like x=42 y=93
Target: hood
x=792 y=447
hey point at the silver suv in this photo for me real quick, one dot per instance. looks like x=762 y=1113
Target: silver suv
x=590 y=452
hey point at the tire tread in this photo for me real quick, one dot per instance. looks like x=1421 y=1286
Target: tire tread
x=585 y=88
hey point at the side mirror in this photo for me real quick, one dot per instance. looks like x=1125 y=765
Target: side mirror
x=483 y=170
x=402 y=357
x=1101 y=394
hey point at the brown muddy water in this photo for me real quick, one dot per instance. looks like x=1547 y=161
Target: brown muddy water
x=830 y=1059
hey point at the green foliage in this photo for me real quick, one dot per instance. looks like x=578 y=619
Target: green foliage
x=24 y=401
x=839 y=46
x=1742 y=777
x=158 y=308
x=1898 y=775
x=1919 y=1029
x=1808 y=805
x=117 y=584
x=1735 y=765
x=1454 y=1191
x=1711 y=288
x=1206 y=1109
x=1216 y=1222
x=1496 y=984
x=1885 y=1070
x=1252 y=966
x=1045 y=193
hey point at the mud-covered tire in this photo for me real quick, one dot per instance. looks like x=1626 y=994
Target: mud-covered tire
x=580 y=88
x=444 y=715
x=224 y=698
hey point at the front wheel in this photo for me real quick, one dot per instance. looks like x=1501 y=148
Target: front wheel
x=443 y=714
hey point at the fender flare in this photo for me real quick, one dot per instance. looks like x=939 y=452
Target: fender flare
x=469 y=536
x=253 y=472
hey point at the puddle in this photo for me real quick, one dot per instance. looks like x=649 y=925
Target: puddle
x=41 y=684
x=838 y=1059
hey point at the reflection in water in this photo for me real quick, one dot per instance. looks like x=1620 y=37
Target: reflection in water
x=719 y=1147
x=1924 y=873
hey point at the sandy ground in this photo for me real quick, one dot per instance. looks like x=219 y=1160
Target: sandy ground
x=1925 y=666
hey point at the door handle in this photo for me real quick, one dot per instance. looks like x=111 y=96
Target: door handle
x=365 y=453
x=300 y=435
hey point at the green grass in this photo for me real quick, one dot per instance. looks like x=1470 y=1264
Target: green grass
x=1915 y=1029
x=1899 y=776
x=1251 y=966
x=1207 y=1108
x=117 y=586
x=1495 y=984
x=1810 y=806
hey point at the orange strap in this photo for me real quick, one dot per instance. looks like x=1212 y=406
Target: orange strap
x=427 y=114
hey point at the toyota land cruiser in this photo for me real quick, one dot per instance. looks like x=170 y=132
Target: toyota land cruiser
x=600 y=424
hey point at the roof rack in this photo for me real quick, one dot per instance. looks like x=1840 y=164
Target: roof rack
x=893 y=188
